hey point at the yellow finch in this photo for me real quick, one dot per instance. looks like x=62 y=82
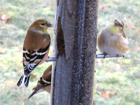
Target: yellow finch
x=44 y=84
x=35 y=48
x=112 y=40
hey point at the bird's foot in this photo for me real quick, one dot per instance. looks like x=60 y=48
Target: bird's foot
x=117 y=55
x=123 y=56
x=105 y=54
x=120 y=55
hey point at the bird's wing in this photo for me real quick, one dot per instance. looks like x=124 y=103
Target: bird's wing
x=101 y=40
x=36 y=55
x=117 y=42
x=32 y=60
x=47 y=73
x=33 y=56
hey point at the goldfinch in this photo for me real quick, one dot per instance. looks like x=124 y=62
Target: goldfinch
x=35 y=48
x=44 y=84
x=112 y=40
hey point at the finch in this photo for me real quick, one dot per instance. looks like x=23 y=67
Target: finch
x=35 y=48
x=44 y=84
x=112 y=40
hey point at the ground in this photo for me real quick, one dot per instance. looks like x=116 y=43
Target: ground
x=116 y=79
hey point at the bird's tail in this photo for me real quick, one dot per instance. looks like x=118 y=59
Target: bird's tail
x=36 y=89
x=23 y=81
x=33 y=93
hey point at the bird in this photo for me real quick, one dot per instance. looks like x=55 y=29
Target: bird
x=44 y=83
x=35 y=48
x=112 y=40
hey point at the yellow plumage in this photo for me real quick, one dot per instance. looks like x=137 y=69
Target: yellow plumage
x=112 y=40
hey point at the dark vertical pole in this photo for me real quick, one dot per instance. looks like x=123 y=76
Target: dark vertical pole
x=84 y=51
x=76 y=27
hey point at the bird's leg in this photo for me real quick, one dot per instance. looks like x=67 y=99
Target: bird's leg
x=117 y=55
x=105 y=54
x=120 y=55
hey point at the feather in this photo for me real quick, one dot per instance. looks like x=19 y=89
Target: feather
x=35 y=48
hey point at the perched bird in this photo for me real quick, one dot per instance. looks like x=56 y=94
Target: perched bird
x=35 y=48
x=112 y=40
x=44 y=84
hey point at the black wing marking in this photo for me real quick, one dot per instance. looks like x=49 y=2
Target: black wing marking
x=31 y=58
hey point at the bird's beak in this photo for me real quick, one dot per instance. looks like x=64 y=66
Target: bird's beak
x=123 y=33
x=49 y=25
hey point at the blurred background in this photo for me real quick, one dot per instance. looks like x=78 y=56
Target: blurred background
x=117 y=80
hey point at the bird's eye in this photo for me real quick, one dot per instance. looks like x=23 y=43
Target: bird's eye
x=43 y=24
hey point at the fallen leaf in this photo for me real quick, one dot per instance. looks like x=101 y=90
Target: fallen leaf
x=5 y=18
x=106 y=93
x=2 y=51
x=130 y=25
x=10 y=83
x=103 y=7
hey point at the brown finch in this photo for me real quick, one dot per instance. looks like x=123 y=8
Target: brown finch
x=35 y=48
x=112 y=40
x=44 y=84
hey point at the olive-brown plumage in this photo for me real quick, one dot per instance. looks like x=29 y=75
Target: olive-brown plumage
x=44 y=84
x=112 y=40
x=35 y=48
